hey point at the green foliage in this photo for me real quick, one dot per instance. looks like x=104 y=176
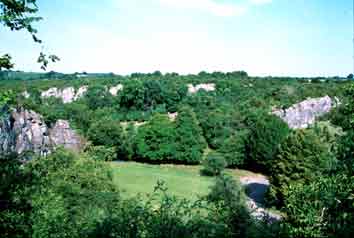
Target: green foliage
x=105 y=132
x=267 y=132
x=7 y=98
x=98 y=97
x=322 y=208
x=346 y=151
x=128 y=149
x=71 y=194
x=190 y=143
x=213 y=164
x=301 y=157
x=234 y=149
x=5 y=62
x=155 y=140
x=15 y=206
x=230 y=206
x=102 y=153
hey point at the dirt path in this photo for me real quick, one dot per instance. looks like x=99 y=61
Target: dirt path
x=256 y=188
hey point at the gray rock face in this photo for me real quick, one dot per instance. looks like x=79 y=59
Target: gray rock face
x=304 y=114
x=24 y=130
x=31 y=132
x=62 y=135
x=7 y=136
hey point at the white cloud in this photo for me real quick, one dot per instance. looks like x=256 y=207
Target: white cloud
x=209 y=6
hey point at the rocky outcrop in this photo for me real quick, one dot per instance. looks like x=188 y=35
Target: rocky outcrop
x=24 y=131
x=304 y=114
x=114 y=90
x=209 y=87
x=62 y=135
x=7 y=135
x=31 y=132
x=67 y=95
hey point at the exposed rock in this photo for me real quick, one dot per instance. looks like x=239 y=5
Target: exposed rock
x=68 y=95
x=207 y=87
x=80 y=93
x=172 y=116
x=25 y=94
x=62 y=135
x=31 y=132
x=114 y=90
x=7 y=136
x=24 y=131
x=304 y=114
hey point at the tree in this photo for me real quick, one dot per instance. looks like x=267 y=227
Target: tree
x=106 y=132
x=70 y=194
x=229 y=199
x=213 y=164
x=350 y=76
x=190 y=143
x=21 y=15
x=156 y=140
x=322 y=208
x=98 y=97
x=267 y=132
x=5 y=62
x=15 y=207
x=301 y=157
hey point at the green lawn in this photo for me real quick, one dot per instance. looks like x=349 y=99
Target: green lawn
x=182 y=181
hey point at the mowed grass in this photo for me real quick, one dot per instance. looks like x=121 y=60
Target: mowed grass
x=182 y=181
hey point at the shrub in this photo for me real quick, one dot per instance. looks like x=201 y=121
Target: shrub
x=69 y=195
x=229 y=200
x=105 y=132
x=213 y=164
x=102 y=153
x=330 y=212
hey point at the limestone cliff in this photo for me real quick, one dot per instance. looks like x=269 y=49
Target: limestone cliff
x=304 y=114
x=24 y=130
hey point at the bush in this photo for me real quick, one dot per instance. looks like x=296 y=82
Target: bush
x=69 y=195
x=106 y=132
x=102 y=153
x=330 y=212
x=213 y=164
x=229 y=200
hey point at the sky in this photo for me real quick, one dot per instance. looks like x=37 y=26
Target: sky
x=262 y=37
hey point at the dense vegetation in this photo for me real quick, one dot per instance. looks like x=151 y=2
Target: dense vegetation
x=230 y=127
